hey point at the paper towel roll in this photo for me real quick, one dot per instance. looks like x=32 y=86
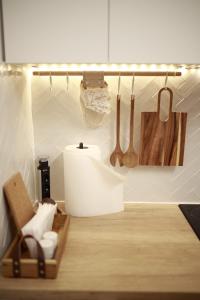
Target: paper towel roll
x=91 y=188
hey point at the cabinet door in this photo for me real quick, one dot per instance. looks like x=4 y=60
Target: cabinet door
x=1 y=38
x=55 y=31
x=154 y=31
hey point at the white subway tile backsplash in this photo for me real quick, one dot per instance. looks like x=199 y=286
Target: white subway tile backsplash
x=58 y=121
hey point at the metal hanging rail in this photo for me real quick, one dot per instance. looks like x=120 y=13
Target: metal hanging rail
x=108 y=73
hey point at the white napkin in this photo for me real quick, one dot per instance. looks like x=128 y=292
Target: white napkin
x=96 y=99
x=38 y=225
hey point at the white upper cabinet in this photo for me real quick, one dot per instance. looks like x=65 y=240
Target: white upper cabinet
x=56 y=31
x=1 y=41
x=102 y=31
x=154 y=31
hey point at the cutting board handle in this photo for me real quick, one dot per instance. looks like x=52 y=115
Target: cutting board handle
x=170 y=99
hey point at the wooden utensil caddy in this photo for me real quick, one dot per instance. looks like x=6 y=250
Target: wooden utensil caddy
x=22 y=211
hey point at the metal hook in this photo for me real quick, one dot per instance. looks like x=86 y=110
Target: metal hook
x=67 y=80
x=1 y=70
x=51 y=82
x=133 y=83
x=119 y=83
x=166 y=79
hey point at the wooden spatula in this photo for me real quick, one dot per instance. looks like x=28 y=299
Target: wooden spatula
x=117 y=155
x=130 y=157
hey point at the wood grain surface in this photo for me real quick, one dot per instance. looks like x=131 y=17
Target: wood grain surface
x=146 y=252
x=116 y=156
x=20 y=204
x=162 y=142
x=29 y=267
x=130 y=157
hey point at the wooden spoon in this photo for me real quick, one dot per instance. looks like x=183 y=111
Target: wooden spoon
x=130 y=157
x=117 y=154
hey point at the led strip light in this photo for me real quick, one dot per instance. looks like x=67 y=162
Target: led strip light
x=108 y=69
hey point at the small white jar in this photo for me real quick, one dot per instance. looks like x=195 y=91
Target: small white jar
x=52 y=236
x=48 y=248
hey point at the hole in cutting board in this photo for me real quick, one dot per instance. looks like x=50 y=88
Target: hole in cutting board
x=164 y=106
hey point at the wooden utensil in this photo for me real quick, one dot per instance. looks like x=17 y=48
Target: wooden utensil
x=162 y=142
x=130 y=157
x=117 y=155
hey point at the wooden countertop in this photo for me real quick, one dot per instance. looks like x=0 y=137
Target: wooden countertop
x=147 y=252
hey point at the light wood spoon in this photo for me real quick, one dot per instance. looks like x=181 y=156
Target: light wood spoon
x=117 y=154
x=130 y=157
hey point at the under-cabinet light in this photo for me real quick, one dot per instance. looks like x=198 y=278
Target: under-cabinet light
x=109 y=67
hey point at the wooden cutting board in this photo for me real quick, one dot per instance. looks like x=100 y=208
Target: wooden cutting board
x=19 y=202
x=162 y=142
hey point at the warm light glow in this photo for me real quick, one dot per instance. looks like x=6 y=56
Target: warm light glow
x=153 y=67
x=105 y=67
x=143 y=67
x=82 y=67
x=133 y=67
x=93 y=67
x=163 y=67
x=171 y=68
x=113 y=67
x=183 y=70
x=123 y=67
x=74 y=67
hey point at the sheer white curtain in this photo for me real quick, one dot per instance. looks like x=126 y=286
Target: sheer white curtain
x=16 y=136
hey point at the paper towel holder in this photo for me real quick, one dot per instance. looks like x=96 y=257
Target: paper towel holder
x=81 y=146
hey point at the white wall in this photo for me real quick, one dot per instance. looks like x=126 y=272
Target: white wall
x=58 y=122
x=16 y=140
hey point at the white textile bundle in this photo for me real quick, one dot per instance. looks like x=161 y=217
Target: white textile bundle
x=95 y=104
x=39 y=224
x=96 y=99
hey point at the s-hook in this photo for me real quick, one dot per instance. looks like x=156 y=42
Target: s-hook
x=51 y=82
x=166 y=79
x=67 y=81
x=119 y=84
x=133 y=83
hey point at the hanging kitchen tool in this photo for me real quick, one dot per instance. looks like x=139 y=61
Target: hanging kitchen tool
x=117 y=155
x=95 y=98
x=130 y=157
x=162 y=142
x=50 y=83
x=67 y=82
x=93 y=79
